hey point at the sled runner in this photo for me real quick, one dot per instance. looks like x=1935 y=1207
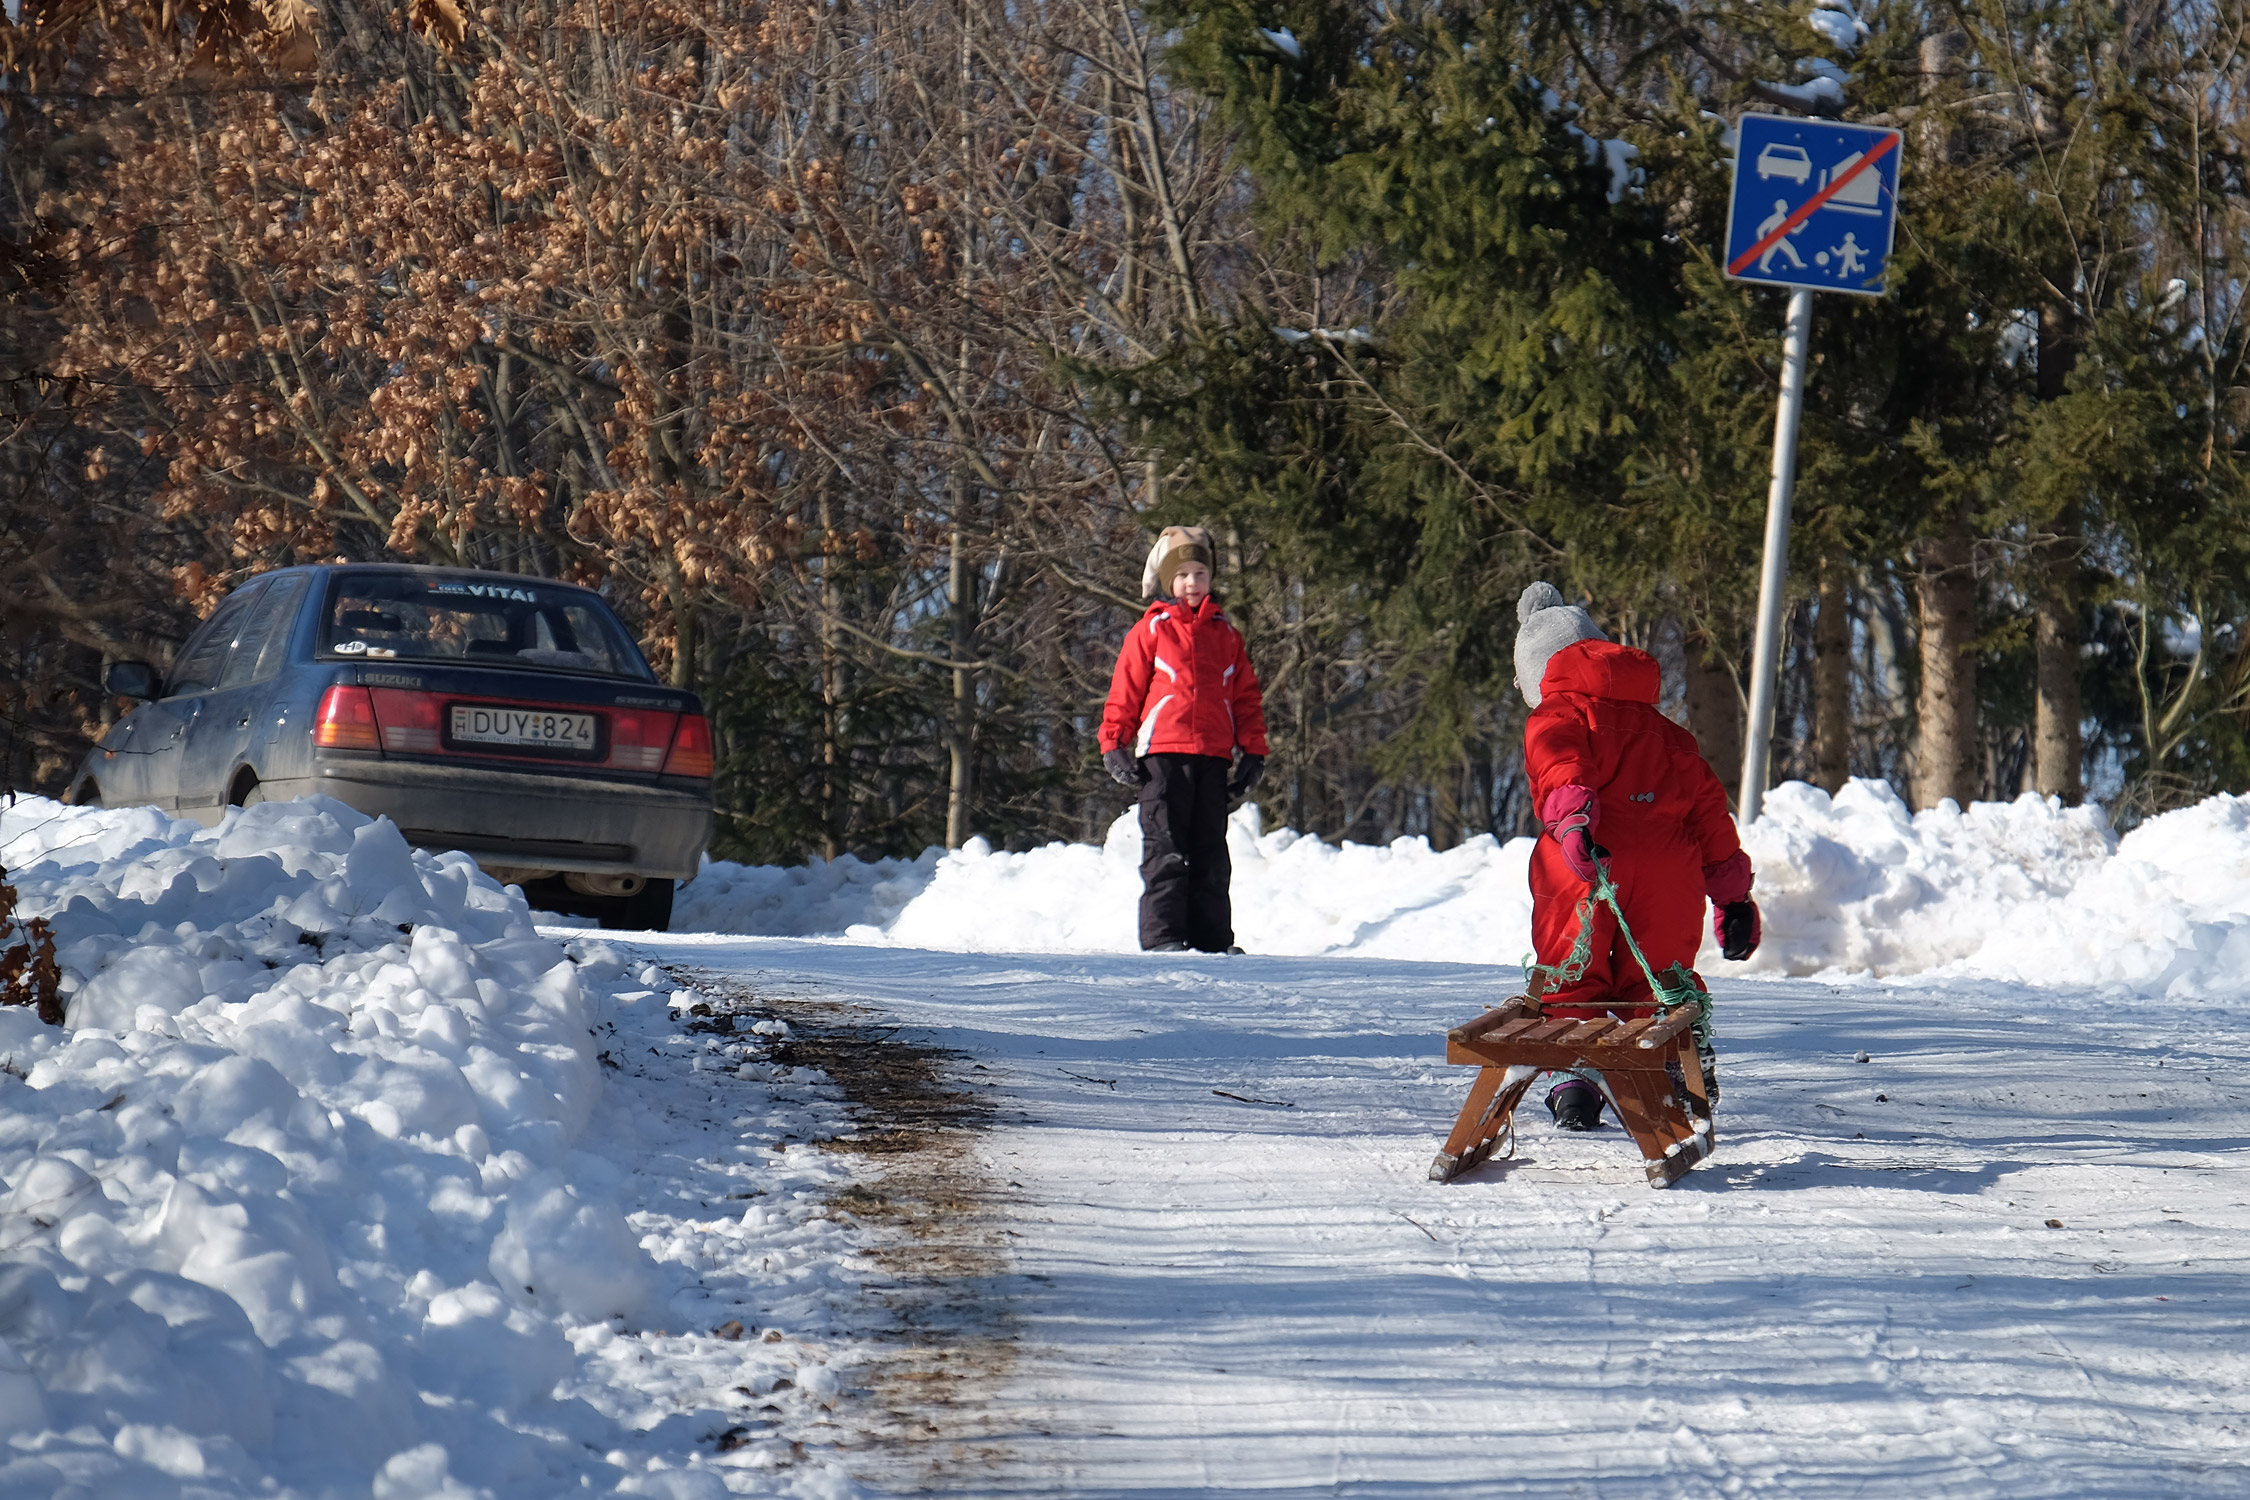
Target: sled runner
x=1652 y=1069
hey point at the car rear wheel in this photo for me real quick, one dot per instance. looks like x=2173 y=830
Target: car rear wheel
x=248 y=792
x=650 y=910
x=87 y=794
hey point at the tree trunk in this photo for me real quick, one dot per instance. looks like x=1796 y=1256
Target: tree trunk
x=1832 y=681
x=964 y=700
x=1948 y=755
x=1445 y=807
x=683 y=630
x=2057 y=751
x=1715 y=711
x=831 y=687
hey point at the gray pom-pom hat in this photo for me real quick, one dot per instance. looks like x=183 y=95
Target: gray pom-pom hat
x=1544 y=625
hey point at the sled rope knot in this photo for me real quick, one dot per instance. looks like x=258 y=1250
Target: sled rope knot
x=1652 y=1068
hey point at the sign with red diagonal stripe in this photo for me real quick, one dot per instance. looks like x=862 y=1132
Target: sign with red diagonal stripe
x=1815 y=203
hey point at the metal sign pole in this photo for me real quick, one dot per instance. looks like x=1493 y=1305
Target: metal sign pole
x=1765 y=665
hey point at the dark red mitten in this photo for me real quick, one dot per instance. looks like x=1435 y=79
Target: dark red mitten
x=1728 y=881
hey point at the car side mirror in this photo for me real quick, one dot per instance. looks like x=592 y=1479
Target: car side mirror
x=131 y=679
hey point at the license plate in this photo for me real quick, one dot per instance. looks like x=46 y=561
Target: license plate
x=528 y=728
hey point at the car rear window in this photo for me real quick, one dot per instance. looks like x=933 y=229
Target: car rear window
x=514 y=622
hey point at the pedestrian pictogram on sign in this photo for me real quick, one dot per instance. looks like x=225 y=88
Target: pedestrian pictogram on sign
x=1814 y=204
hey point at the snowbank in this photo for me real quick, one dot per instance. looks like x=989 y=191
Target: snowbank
x=294 y=1203
x=808 y=900
x=2025 y=891
x=1292 y=894
x=1856 y=884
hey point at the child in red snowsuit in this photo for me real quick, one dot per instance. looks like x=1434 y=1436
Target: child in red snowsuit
x=1608 y=770
x=1182 y=701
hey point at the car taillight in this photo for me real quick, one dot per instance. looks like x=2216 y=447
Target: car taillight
x=346 y=720
x=639 y=738
x=691 y=747
x=409 y=720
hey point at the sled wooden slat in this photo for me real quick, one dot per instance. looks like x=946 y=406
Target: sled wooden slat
x=1666 y=1029
x=1631 y=1031
x=1520 y=1006
x=1648 y=1067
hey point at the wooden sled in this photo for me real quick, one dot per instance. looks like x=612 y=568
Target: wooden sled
x=1643 y=1065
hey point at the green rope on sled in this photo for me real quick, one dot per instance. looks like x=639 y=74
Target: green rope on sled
x=1675 y=987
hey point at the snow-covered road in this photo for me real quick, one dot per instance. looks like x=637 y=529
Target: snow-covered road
x=343 y=1181
x=1863 y=1295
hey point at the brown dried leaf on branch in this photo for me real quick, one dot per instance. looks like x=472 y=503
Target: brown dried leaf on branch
x=220 y=36
x=441 y=21
x=29 y=974
x=744 y=311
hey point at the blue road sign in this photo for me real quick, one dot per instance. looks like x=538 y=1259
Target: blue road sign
x=1814 y=204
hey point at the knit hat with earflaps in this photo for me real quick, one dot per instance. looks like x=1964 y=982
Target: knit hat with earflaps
x=1175 y=547
x=1544 y=626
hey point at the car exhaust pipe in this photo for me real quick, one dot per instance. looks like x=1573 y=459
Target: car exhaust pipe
x=586 y=884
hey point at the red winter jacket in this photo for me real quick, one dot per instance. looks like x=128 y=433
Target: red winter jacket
x=1596 y=726
x=1657 y=809
x=1183 y=686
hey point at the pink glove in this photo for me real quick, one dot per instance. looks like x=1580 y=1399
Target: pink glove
x=1570 y=814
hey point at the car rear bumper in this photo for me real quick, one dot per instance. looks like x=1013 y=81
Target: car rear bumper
x=524 y=825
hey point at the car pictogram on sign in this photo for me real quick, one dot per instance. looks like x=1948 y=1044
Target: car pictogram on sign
x=1785 y=161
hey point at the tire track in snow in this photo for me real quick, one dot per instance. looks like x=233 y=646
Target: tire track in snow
x=941 y=1342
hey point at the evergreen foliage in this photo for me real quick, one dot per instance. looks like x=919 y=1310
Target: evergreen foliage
x=1556 y=378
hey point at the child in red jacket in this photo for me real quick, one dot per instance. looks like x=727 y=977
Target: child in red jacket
x=1607 y=769
x=1182 y=701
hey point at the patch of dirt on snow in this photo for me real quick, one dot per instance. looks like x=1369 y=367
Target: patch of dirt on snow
x=946 y=1340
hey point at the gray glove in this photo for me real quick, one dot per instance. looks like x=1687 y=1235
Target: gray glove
x=1124 y=767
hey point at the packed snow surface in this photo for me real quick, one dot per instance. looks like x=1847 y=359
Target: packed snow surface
x=2025 y=891
x=1960 y=1240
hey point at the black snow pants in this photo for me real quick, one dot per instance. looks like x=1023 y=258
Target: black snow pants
x=1184 y=866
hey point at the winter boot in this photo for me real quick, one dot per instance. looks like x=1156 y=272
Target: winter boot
x=1575 y=1104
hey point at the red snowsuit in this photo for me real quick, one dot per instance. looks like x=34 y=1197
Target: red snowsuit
x=1661 y=815
x=1183 y=686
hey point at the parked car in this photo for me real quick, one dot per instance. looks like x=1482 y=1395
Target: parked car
x=508 y=717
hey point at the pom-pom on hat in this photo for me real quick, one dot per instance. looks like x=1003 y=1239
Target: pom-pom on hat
x=1544 y=625
x=1176 y=546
